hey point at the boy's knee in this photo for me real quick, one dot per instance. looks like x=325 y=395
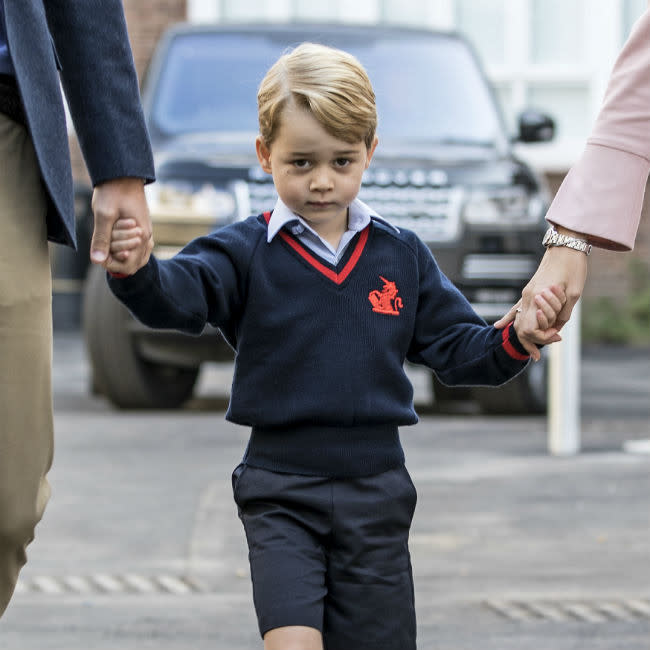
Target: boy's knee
x=294 y=637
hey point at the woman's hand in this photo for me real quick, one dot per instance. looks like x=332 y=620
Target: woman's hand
x=560 y=266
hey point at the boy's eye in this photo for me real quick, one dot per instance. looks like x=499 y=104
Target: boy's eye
x=342 y=162
x=301 y=163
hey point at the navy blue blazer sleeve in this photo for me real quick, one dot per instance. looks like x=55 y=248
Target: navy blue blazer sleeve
x=101 y=86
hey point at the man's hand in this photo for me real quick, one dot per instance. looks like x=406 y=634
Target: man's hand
x=562 y=267
x=121 y=198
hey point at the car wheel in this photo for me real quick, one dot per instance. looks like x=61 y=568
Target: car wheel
x=118 y=369
x=526 y=394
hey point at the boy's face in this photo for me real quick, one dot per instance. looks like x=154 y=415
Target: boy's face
x=315 y=174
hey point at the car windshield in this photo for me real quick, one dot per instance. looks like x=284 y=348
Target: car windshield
x=427 y=88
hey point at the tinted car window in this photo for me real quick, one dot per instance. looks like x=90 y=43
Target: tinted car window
x=424 y=87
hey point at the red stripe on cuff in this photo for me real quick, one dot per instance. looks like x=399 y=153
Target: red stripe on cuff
x=509 y=348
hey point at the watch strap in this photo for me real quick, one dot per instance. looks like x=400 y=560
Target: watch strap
x=554 y=238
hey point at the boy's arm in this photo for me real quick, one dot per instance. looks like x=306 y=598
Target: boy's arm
x=202 y=284
x=451 y=339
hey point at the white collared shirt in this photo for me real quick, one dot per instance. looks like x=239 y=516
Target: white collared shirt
x=359 y=216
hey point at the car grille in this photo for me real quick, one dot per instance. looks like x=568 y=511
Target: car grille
x=432 y=212
x=499 y=267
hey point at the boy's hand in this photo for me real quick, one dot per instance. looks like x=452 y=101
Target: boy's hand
x=126 y=239
x=549 y=304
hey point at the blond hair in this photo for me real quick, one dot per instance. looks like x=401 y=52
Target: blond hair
x=330 y=83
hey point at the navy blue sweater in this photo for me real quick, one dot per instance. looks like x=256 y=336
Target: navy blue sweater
x=320 y=349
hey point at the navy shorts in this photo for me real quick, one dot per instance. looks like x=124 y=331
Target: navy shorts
x=331 y=554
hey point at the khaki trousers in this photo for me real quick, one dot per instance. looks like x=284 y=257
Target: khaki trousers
x=26 y=428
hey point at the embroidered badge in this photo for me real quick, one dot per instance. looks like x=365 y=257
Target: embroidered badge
x=386 y=301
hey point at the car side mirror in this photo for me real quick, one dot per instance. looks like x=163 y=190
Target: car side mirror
x=535 y=126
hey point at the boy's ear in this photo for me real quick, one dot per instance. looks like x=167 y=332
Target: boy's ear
x=371 y=151
x=263 y=154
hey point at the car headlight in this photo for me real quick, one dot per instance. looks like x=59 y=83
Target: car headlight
x=171 y=201
x=506 y=206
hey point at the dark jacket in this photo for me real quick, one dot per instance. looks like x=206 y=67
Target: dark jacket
x=87 y=43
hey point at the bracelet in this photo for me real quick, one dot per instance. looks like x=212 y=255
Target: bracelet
x=554 y=238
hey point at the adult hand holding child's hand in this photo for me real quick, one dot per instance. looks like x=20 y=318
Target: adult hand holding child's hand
x=539 y=328
x=122 y=201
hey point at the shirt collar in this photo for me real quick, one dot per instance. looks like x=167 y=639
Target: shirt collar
x=359 y=217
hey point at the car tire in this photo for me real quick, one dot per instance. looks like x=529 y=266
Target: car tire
x=526 y=394
x=119 y=371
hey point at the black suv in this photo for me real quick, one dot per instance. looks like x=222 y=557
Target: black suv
x=443 y=168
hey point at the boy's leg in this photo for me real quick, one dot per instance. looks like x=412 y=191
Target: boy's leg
x=294 y=637
x=286 y=519
x=26 y=438
x=370 y=602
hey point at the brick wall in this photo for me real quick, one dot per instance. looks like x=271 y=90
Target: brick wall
x=146 y=20
x=609 y=273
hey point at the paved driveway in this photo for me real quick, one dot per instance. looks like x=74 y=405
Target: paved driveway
x=512 y=549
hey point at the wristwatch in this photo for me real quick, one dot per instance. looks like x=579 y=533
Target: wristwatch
x=554 y=238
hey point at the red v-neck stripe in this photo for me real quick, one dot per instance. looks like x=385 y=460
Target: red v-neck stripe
x=337 y=278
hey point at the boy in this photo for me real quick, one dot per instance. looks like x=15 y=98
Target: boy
x=323 y=302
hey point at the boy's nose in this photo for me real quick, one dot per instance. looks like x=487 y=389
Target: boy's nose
x=320 y=181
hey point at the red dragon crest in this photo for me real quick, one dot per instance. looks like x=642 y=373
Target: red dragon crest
x=386 y=301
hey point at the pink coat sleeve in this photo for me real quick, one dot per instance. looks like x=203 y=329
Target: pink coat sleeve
x=602 y=195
